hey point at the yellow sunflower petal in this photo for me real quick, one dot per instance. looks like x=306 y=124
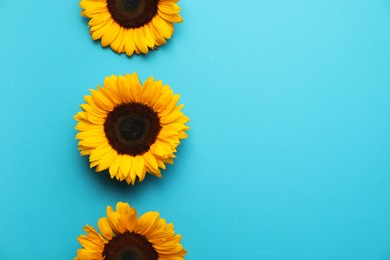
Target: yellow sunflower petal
x=99 y=98
x=86 y=254
x=150 y=92
x=128 y=214
x=99 y=19
x=132 y=171
x=114 y=220
x=107 y=160
x=111 y=34
x=149 y=36
x=163 y=27
x=105 y=228
x=97 y=31
x=135 y=89
x=168 y=7
x=139 y=167
x=147 y=223
x=114 y=167
x=90 y=243
x=139 y=36
x=124 y=89
x=173 y=18
x=150 y=161
x=130 y=42
x=111 y=84
x=118 y=43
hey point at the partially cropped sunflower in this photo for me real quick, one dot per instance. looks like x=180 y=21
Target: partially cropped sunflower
x=129 y=128
x=124 y=236
x=131 y=25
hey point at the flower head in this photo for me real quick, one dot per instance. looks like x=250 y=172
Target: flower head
x=131 y=25
x=129 y=128
x=125 y=236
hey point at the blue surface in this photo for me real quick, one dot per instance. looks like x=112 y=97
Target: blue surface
x=289 y=148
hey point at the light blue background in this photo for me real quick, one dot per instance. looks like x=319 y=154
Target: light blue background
x=288 y=155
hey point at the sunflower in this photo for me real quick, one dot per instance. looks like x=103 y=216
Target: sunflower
x=130 y=129
x=125 y=236
x=131 y=25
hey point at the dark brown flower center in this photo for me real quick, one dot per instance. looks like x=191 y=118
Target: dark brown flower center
x=132 y=128
x=129 y=246
x=132 y=13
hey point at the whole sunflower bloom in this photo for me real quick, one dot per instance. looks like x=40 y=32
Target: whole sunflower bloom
x=125 y=236
x=131 y=25
x=131 y=129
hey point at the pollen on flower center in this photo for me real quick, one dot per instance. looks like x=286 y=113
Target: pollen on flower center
x=129 y=246
x=132 y=13
x=132 y=128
